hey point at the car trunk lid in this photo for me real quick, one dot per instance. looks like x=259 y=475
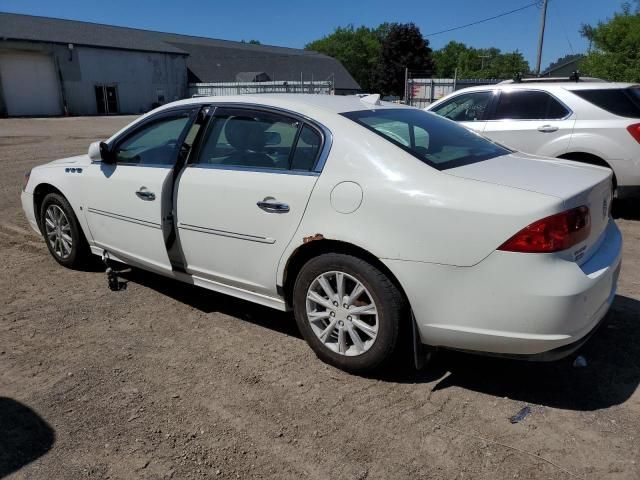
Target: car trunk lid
x=574 y=183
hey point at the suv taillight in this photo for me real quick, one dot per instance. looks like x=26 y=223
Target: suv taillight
x=634 y=130
x=552 y=234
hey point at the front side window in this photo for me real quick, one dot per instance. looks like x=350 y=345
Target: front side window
x=155 y=143
x=528 y=105
x=251 y=139
x=624 y=102
x=468 y=107
x=434 y=140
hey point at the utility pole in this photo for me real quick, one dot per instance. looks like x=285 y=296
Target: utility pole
x=483 y=57
x=541 y=39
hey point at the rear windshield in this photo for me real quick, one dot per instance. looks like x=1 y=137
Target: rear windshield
x=624 y=102
x=436 y=141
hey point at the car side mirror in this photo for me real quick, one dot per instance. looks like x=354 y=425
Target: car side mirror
x=106 y=154
x=94 y=152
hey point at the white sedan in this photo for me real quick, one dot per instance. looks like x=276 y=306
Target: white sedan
x=365 y=218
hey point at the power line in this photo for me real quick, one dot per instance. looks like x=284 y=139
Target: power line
x=483 y=20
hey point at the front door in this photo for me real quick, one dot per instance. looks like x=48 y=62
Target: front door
x=129 y=202
x=240 y=201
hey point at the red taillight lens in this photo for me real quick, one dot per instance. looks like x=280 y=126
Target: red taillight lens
x=634 y=130
x=552 y=234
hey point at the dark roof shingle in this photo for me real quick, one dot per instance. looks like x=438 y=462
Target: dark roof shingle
x=209 y=60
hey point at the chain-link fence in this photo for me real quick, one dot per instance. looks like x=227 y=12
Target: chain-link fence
x=420 y=92
x=242 y=88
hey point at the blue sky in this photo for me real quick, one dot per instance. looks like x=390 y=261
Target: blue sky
x=294 y=23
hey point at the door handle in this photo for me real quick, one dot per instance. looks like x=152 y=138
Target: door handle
x=273 y=207
x=145 y=194
x=547 y=128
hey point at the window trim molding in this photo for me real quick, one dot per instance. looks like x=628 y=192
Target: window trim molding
x=169 y=112
x=319 y=163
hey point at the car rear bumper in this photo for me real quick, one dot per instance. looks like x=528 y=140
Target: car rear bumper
x=512 y=303
x=26 y=199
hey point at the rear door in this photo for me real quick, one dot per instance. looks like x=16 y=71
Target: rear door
x=531 y=121
x=242 y=196
x=468 y=109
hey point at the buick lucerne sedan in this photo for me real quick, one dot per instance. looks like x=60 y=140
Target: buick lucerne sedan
x=364 y=218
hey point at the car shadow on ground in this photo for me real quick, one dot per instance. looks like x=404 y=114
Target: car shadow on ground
x=24 y=436
x=207 y=301
x=611 y=376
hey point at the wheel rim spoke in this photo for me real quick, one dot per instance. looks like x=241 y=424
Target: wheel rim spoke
x=364 y=310
x=315 y=297
x=365 y=327
x=324 y=283
x=315 y=316
x=342 y=313
x=355 y=338
x=328 y=331
x=355 y=293
x=340 y=287
x=342 y=341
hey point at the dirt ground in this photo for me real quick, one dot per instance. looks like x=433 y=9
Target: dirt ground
x=165 y=380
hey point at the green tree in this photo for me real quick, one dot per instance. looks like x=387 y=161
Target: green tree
x=403 y=46
x=478 y=63
x=615 y=54
x=358 y=49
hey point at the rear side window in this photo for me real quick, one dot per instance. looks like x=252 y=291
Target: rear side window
x=307 y=149
x=434 y=140
x=624 y=102
x=528 y=105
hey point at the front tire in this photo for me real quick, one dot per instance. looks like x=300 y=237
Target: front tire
x=348 y=311
x=62 y=233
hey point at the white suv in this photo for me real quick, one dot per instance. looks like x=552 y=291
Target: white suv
x=591 y=122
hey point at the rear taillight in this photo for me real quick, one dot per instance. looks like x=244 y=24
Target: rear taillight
x=634 y=130
x=552 y=234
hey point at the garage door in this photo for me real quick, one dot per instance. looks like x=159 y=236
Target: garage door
x=29 y=84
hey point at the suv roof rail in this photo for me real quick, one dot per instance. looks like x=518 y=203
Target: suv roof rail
x=574 y=77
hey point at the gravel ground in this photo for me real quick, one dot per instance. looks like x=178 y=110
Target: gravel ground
x=165 y=380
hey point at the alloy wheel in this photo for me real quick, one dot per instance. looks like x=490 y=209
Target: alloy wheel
x=58 y=231
x=342 y=313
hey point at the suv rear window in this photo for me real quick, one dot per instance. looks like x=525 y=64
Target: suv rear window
x=624 y=102
x=434 y=140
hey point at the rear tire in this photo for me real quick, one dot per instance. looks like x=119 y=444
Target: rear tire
x=348 y=311
x=62 y=233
